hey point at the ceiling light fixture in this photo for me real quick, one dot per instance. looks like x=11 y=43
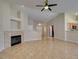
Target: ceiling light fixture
x=39 y=24
x=46 y=7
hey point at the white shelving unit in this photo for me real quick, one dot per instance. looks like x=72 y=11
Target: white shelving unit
x=16 y=24
x=16 y=21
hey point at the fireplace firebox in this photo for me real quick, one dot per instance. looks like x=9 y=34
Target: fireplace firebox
x=15 y=40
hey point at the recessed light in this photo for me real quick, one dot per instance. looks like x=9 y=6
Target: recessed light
x=39 y=24
x=22 y=5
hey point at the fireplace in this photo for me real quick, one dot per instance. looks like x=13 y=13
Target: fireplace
x=15 y=40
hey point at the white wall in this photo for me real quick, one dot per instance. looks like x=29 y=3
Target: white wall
x=5 y=15
x=59 y=26
x=30 y=32
x=4 y=21
x=28 y=27
x=1 y=28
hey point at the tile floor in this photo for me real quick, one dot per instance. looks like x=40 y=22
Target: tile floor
x=43 y=49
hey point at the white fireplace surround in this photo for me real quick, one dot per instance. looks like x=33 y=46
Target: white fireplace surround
x=8 y=34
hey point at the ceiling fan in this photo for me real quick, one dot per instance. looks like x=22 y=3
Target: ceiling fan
x=46 y=6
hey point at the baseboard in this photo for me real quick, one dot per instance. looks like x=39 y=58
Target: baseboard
x=72 y=42
x=32 y=40
x=1 y=49
x=67 y=41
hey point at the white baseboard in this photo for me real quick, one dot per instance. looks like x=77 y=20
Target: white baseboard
x=32 y=40
x=1 y=49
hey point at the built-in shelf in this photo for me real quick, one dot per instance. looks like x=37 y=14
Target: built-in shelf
x=15 y=24
x=15 y=19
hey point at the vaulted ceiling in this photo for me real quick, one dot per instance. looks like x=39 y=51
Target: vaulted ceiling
x=35 y=13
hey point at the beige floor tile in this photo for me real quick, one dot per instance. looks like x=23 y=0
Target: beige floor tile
x=43 y=49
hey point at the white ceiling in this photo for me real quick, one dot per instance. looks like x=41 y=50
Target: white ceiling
x=40 y=16
x=35 y=13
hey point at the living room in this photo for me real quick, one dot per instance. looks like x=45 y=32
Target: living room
x=24 y=25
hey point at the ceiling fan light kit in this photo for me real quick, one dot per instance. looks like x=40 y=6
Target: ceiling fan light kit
x=46 y=6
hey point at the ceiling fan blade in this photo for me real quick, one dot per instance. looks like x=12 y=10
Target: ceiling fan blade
x=50 y=9
x=52 y=5
x=42 y=9
x=39 y=5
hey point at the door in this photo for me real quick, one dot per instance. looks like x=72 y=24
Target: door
x=52 y=31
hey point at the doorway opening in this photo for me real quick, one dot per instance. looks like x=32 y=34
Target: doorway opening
x=51 y=31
